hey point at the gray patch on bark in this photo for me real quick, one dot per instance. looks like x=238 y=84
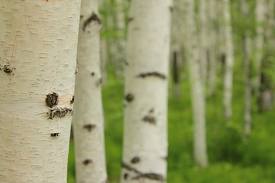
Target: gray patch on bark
x=99 y=82
x=130 y=19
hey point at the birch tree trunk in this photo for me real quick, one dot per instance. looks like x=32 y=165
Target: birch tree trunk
x=260 y=20
x=193 y=57
x=204 y=41
x=247 y=73
x=120 y=44
x=145 y=129
x=37 y=60
x=176 y=52
x=88 y=115
x=213 y=46
x=229 y=52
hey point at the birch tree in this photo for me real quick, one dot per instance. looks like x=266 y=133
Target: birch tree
x=204 y=41
x=120 y=43
x=37 y=64
x=229 y=53
x=260 y=19
x=145 y=128
x=88 y=114
x=247 y=72
x=177 y=53
x=213 y=46
x=193 y=57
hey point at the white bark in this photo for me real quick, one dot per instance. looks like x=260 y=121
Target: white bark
x=204 y=41
x=229 y=53
x=145 y=129
x=213 y=46
x=37 y=59
x=88 y=114
x=121 y=27
x=247 y=74
x=260 y=20
x=198 y=103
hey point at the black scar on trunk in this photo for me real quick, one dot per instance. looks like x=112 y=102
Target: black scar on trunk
x=55 y=134
x=152 y=74
x=51 y=99
x=87 y=162
x=129 y=97
x=141 y=175
x=92 y=18
x=89 y=127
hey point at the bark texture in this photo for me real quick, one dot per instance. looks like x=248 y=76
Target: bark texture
x=145 y=129
x=38 y=52
x=198 y=101
x=88 y=115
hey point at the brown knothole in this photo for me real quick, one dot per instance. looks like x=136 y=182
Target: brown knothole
x=126 y=176
x=135 y=160
x=150 y=119
x=72 y=100
x=129 y=97
x=7 y=69
x=51 y=99
x=89 y=127
x=87 y=162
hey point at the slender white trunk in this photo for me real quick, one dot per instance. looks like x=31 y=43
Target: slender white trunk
x=145 y=129
x=120 y=44
x=229 y=53
x=88 y=114
x=247 y=73
x=204 y=41
x=37 y=60
x=176 y=52
x=260 y=20
x=193 y=57
x=248 y=88
x=213 y=46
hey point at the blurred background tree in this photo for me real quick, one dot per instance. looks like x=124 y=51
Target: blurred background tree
x=233 y=155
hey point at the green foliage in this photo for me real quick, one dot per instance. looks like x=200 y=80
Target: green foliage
x=233 y=158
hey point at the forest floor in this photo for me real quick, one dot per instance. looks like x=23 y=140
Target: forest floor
x=232 y=159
